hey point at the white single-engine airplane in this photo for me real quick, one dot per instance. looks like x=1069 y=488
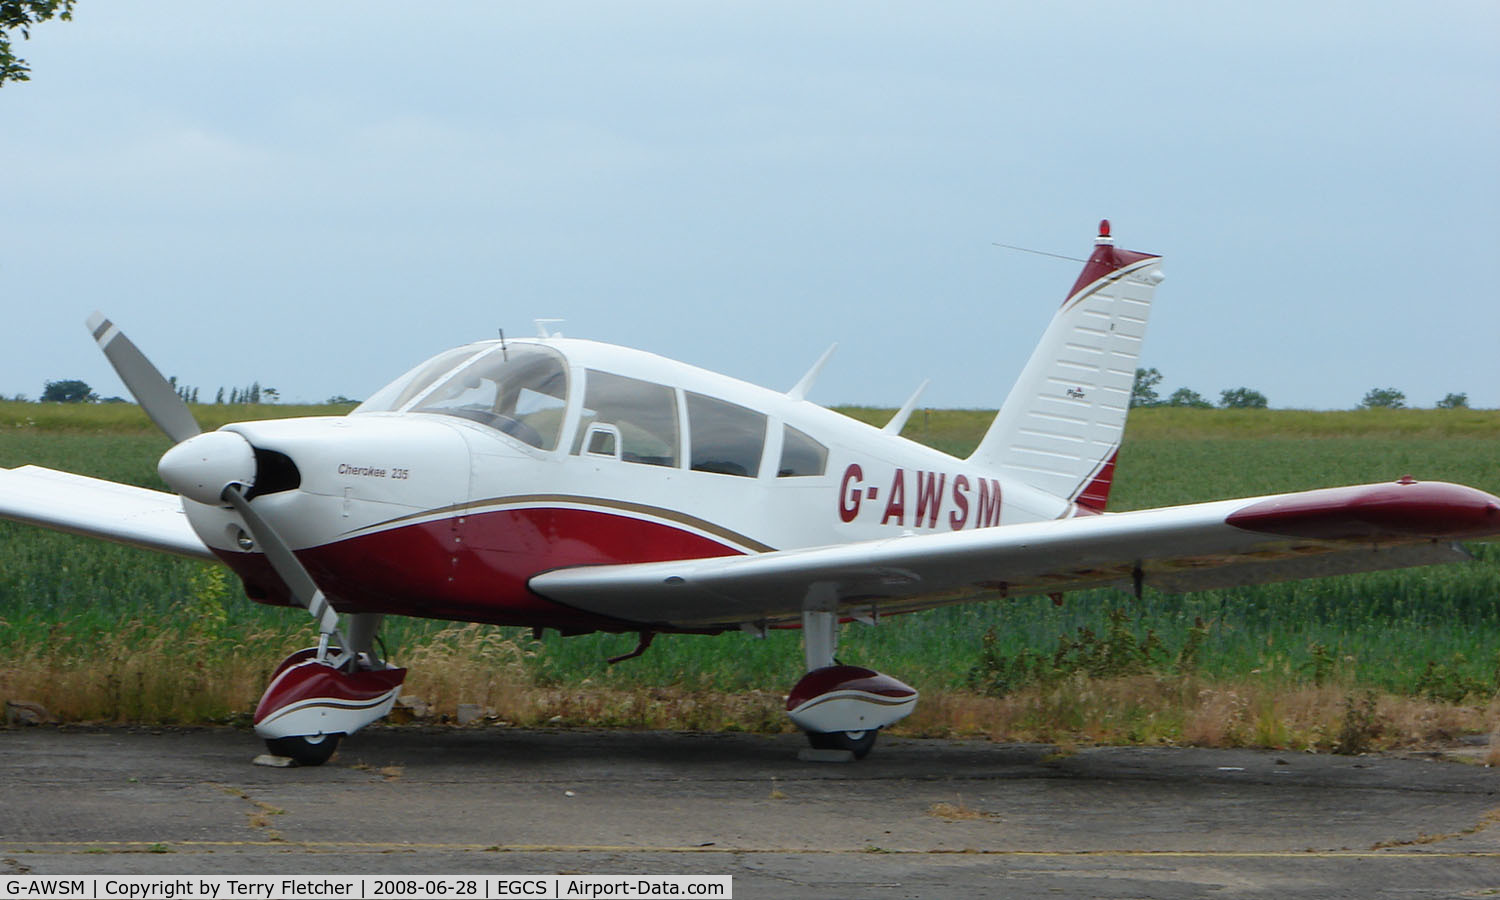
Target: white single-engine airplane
x=574 y=485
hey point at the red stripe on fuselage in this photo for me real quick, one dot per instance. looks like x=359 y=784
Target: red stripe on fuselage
x=475 y=568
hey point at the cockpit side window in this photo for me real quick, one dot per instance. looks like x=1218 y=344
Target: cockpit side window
x=521 y=390
x=800 y=455
x=643 y=413
x=726 y=438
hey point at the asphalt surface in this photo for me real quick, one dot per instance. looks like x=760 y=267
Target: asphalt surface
x=918 y=818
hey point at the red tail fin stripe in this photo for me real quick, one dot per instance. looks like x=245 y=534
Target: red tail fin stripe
x=1105 y=260
x=1095 y=495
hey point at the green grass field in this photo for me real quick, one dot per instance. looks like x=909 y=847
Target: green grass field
x=70 y=605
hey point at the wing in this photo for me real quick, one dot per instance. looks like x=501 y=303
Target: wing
x=1181 y=548
x=98 y=508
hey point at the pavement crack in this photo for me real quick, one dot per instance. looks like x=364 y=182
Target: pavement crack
x=259 y=814
x=1486 y=821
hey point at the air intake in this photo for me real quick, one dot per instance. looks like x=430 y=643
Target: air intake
x=274 y=472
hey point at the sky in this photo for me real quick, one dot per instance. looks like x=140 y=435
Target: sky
x=316 y=196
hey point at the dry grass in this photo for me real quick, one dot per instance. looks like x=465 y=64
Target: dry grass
x=645 y=708
x=1188 y=711
x=123 y=679
x=465 y=664
x=957 y=811
x=143 y=675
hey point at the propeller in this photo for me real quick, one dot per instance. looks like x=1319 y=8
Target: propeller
x=154 y=393
x=213 y=468
x=291 y=570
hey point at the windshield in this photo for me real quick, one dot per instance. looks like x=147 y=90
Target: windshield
x=401 y=391
x=521 y=390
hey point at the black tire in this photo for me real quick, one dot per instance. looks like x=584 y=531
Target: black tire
x=857 y=742
x=306 y=750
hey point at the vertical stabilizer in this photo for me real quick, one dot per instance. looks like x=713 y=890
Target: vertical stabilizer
x=1060 y=428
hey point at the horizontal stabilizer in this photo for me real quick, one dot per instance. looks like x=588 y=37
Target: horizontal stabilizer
x=93 y=507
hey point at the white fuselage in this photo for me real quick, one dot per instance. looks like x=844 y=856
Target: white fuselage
x=448 y=512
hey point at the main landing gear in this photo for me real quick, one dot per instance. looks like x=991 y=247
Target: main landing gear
x=842 y=707
x=318 y=695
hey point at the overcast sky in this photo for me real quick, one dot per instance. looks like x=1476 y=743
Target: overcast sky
x=318 y=195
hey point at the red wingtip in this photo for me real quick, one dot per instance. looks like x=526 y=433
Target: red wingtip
x=1403 y=510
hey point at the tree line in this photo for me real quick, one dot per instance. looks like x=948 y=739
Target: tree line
x=238 y=396
x=1144 y=393
x=73 y=390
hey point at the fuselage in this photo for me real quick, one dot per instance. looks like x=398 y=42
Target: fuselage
x=449 y=489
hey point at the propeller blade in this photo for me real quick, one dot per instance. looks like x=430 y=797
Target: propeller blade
x=279 y=553
x=153 y=392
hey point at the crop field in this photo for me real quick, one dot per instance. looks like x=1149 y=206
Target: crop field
x=98 y=632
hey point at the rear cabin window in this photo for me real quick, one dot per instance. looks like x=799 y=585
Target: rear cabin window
x=642 y=413
x=800 y=455
x=727 y=439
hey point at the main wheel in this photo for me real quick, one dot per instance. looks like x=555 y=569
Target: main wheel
x=856 y=742
x=307 y=750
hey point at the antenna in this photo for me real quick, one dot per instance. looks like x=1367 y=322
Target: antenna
x=800 y=389
x=898 y=421
x=504 y=351
x=1039 y=252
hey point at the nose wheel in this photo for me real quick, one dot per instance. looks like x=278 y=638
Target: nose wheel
x=314 y=699
x=306 y=750
x=857 y=742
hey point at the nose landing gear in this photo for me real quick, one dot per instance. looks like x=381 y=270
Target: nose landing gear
x=318 y=695
x=859 y=743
